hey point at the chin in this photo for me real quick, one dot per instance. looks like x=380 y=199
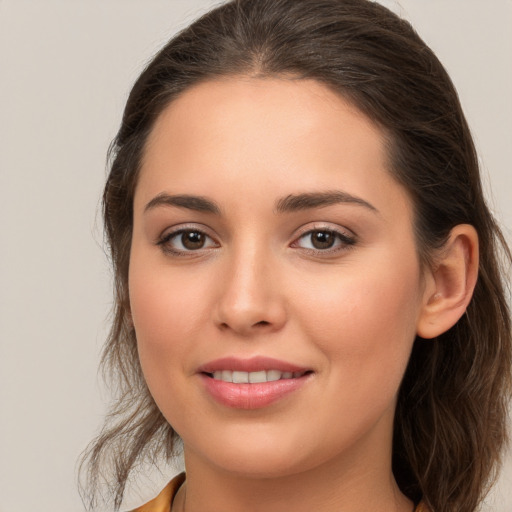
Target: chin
x=257 y=456
x=259 y=466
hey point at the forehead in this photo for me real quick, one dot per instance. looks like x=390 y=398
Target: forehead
x=292 y=135
x=249 y=112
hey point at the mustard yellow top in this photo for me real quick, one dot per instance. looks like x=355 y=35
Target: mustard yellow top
x=163 y=502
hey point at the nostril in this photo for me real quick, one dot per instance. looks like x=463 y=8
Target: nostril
x=262 y=323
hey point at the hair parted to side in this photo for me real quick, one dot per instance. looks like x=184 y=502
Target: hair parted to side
x=450 y=422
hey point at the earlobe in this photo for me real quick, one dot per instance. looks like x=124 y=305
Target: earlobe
x=450 y=283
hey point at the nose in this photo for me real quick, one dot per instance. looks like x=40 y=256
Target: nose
x=250 y=300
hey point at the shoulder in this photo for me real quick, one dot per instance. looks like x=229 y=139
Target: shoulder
x=164 y=500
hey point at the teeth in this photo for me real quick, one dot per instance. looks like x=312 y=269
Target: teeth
x=227 y=376
x=254 y=377
x=240 y=378
x=273 y=375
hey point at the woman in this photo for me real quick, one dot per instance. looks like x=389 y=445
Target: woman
x=308 y=283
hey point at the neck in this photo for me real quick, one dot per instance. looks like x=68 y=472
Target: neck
x=345 y=485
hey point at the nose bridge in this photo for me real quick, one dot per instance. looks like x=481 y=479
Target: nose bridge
x=250 y=299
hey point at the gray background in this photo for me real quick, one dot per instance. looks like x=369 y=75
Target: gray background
x=65 y=70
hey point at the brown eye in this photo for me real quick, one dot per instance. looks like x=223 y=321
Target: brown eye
x=185 y=241
x=322 y=239
x=193 y=240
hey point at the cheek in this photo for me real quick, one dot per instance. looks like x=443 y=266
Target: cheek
x=365 y=323
x=165 y=314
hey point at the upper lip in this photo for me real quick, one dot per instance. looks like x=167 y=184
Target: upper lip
x=252 y=364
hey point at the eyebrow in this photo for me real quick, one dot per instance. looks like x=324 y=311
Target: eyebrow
x=309 y=200
x=290 y=203
x=197 y=203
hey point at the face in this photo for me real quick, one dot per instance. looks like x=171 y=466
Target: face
x=275 y=286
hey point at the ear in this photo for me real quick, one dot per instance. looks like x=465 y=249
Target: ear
x=449 y=285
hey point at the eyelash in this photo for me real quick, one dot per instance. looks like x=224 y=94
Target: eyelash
x=166 y=240
x=342 y=241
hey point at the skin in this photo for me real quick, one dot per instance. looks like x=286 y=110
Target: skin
x=350 y=314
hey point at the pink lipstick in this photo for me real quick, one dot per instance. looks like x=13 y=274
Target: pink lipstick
x=251 y=383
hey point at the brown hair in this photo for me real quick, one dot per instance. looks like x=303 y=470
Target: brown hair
x=450 y=422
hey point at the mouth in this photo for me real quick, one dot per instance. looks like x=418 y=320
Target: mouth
x=256 y=377
x=252 y=383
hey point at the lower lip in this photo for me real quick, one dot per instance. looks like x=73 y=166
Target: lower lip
x=251 y=396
